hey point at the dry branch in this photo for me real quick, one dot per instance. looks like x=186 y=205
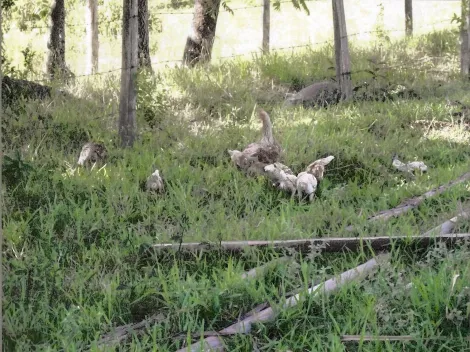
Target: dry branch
x=214 y=343
x=332 y=244
x=448 y=226
x=371 y=338
x=412 y=203
x=260 y=270
x=122 y=333
x=349 y=338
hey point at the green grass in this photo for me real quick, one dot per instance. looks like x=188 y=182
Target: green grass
x=78 y=243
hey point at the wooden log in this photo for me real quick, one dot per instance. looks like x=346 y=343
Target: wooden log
x=332 y=244
x=215 y=343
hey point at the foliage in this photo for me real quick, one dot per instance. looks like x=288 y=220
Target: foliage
x=298 y=4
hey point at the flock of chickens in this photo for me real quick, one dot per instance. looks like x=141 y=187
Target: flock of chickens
x=257 y=159
x=262 y=158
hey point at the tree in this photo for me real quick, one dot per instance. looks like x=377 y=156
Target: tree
x=143 y=47
x=56 y=43
x=201 y=38
x=92 y=35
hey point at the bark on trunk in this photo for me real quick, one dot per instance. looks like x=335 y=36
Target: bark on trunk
x=56 y=45
x=92 y=35
x=201 y=37
x=144 y=49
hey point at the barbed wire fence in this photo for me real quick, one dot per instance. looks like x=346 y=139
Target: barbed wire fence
x=159 y=62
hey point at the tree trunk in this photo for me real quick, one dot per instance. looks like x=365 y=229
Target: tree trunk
x=128 y=97
x=56 y=45
x=92 y=35
x=144 y=50
x=201 y=37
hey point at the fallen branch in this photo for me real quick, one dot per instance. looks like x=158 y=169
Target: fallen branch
x=332 y=244
x=214 y=343
x=123 y=332
x=449 y=225
x=349 y=338
x=371 y=338
x=260 y=270
x=412 y=203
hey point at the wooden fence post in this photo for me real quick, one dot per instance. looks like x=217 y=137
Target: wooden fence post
x=1 y=163
x=464 y=39
x=343 y=60
x=409 y=18
x=128 y=98
x=266 y=25
x=92 y=36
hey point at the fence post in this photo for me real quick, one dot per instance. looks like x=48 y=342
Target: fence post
x=92 y=35
x=128 y=99
x=1 y=163
x=143 y=47
x=464 y=41
x=343 y=61
x=409 y=18
x=266 y=25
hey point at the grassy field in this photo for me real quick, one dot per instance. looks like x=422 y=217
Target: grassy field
x=78 y=243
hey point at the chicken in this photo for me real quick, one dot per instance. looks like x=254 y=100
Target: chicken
x=92 y=153
x=410 y=167
x=267 y=150
x=281 y=177
x=317 y=168
x=306 y=184
x=155 y=182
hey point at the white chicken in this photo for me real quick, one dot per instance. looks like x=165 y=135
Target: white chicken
x=306 y=184
x=155 y=182
x=92 y=153
x=281 y=176
x=410 y=167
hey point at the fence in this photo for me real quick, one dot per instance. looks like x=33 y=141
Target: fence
x=290 y=29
